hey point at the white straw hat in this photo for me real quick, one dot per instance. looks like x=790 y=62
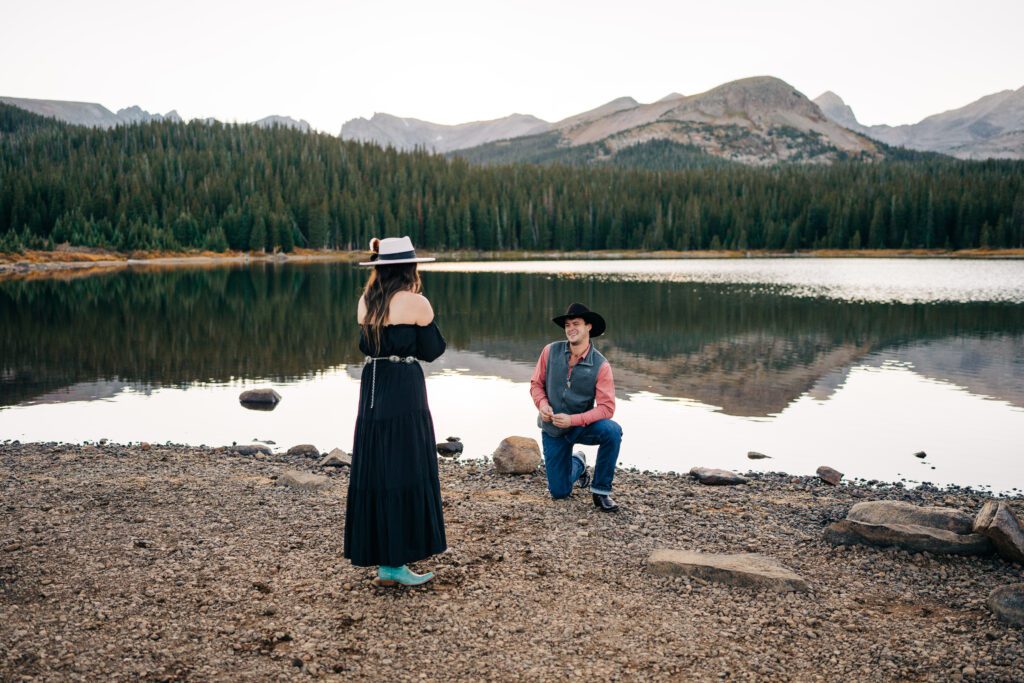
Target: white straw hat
x=392 y=251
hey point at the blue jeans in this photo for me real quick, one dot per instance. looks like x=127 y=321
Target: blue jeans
x=563 y=470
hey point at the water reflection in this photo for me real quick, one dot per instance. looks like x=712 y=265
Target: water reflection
x=735 y=346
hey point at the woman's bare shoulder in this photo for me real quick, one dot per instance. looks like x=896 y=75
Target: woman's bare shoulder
x=409 y=308
x=361 y=310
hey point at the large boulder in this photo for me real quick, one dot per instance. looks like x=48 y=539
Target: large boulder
x=517 y=455
x=1007 y=603
x=897 y=512
x=745 y=569
x=907 y=537
x=714 y=477
x=998 y=521
x=302 y=480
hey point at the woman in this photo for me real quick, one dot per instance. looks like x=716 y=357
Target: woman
x=393 y=515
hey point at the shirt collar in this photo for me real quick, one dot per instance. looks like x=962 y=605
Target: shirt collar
x=585 y=358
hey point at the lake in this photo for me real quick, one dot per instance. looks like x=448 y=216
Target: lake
x=854 y=363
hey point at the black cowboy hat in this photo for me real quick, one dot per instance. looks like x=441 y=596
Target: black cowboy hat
x=580 y=311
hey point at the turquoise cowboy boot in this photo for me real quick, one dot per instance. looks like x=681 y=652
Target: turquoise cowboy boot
x=389 y=576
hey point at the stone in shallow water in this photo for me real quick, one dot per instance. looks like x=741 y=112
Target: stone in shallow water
x=829 y=475
x=907 y=537
x=302 y=480
x=898 y=512
x=745 y=569
x=998 y=521
x=1007 y=603
x=517 y=455
x=714 y=477
x=260 y=396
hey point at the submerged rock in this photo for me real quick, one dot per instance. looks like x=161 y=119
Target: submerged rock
x=517 y=455
x=715 y=477
x=907 y=537
x=897 y=512
x=747 y=569
x=997 y=521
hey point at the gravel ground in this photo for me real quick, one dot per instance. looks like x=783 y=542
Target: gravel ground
x=174 y=563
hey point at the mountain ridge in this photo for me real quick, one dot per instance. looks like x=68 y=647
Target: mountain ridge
x=989 y=127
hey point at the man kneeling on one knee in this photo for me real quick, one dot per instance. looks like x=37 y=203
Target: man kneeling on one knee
x=573 y=389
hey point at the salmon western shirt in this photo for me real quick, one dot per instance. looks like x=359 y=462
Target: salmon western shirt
x=605 y=407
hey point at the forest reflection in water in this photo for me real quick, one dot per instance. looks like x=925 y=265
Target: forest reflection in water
x=743 y=348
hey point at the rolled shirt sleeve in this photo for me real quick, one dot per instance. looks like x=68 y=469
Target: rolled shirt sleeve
x=540 y=373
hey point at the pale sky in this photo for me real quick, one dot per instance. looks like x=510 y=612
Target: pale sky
x=450 y=62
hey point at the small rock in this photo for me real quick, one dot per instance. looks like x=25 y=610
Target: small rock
x=262 y=587
x=260 y=396
x=306 y=450
x=750 y=569
x=997 y=521
x=754 y=455
x=252 y=449
x=969 y=672
x=517 y=455
x=1007 y=603
x=144 y=446
x=303 y=480
x=451 y=448
x=829 y=475
x=908 y=537
x=715 y=477
x=142 y=543
x=11 y=547
x=336 y=458
x=920 y=454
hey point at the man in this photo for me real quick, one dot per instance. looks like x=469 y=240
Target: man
x=573 y=389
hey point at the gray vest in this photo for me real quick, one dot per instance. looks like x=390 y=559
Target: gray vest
x=570 y=394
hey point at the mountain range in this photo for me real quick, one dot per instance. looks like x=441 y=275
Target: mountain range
x=98 y=116
x=756 y=121
x=991 y=127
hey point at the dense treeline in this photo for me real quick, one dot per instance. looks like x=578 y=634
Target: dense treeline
x=173 y=185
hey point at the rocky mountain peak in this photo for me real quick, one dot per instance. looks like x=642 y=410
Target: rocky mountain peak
x=833 y=106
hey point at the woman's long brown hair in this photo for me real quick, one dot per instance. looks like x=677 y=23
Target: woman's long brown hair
x=384 y=283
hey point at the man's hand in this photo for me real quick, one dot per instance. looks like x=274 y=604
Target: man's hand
x=546 y=413
x=561 y=420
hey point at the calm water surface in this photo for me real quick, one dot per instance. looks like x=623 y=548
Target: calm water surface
x=855 y=363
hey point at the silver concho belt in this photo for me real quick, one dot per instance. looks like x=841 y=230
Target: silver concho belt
x=373 y=360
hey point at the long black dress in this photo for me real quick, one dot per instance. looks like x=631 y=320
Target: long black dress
x=393 y=514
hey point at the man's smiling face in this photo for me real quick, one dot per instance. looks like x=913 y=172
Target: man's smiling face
x=577 y=331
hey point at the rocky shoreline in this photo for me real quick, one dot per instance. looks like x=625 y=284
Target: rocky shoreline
x=88 y=261
x=189 y=563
